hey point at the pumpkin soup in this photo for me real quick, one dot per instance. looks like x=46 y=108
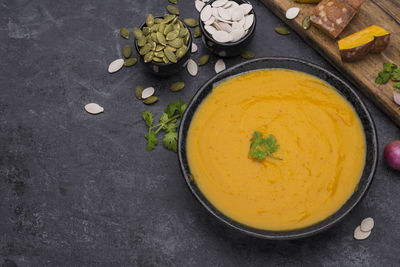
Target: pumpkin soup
x=314 y=171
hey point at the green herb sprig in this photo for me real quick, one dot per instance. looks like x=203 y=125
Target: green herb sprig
x=261 y=147
x=390 y=72
x=167 y=123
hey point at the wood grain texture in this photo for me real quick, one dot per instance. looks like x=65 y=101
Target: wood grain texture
x=384 y=13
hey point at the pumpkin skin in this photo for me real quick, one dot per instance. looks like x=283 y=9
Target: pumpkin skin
x=357 y=46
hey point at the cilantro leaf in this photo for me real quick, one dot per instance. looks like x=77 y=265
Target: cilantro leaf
x=397 y=87
x=170 y=127
x=170 y=109
x=148 y=118
x=396 y=75
x=383 y=77
x=151 y=140
x=261 y=147
x=163 y=118
x=389 y=67
x=180 y=107
x=170 y=141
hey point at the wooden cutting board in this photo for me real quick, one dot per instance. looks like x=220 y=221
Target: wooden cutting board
x=384 y=13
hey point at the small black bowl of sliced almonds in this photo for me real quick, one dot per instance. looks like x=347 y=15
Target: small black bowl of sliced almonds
x=228 y=26
x=163 y=44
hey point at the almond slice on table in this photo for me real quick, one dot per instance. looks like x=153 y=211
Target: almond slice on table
x=116 y=65
x=94 y=108
x=206 y=13
x=360 y=235
x=367 y=224
x=149 y=91
x=219 y=66
x=292 y=12
x=199 y=5
x=192 y=67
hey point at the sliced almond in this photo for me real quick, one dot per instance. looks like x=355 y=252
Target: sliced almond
x=149 y=91
x=199 y=5
x=367 y=224
x=292 y=12
x=210 y=29
x=94 y=108
x=219 y=66
x=237 y=34
x=192 y=67
x=360 y=235
x=194 y=48
x=237 y=13
x=249 y=21
x=219 y=3
x=225 y=13
x=222 y=37
x=210 y=21
x=116 y=65
x=246 y=8
x=206 y=13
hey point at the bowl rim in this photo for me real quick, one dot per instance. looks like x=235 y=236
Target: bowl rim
x=229 y=44
x=162 y=64
x=291 y=234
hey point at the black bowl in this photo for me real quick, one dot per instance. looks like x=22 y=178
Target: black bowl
x=299 y=65
x=228 y=49
x=162 y=69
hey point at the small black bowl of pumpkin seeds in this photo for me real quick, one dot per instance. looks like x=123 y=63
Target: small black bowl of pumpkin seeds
x=163 y=43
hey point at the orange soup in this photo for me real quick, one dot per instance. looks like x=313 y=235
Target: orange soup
x=322 y=147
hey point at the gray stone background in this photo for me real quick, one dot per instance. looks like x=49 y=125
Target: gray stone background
x=80 y=190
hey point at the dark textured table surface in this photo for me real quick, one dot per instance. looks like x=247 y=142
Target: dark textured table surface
x=78 y=189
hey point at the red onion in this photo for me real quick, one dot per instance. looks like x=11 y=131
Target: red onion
x=396 y=97
x=392 y=154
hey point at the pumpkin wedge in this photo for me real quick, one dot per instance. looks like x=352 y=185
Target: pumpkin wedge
x=373 y=39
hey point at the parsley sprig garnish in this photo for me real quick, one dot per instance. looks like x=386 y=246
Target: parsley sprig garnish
x=261 y=147
x=167 y=123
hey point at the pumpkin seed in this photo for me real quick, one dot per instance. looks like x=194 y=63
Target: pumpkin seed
x=153 y=45
x=367 y=224
x=360 y=235
x=159 y=48
x=177 y=86
x=173 y=49
x=181 y=51
x=154 y=37
x=130 y=62
x=124 y=33
x=146 y=31
x=161 y=28
x=170 y=55
x=138 y=33
x=187 y=39
x=192 y=67
x=154 y=28
x=168 y=28
x=197 y=32
x=203 y=60
x=282 y=30
x=183 y=32
x=247 y=54
x=175 y=2
x=145 y=49
x=168 y=18
x=150 y=20
x=141 y=42
x=150 y=100
x=172 y=35
x=219 y=66
x=165 y=59
x=173 y=10
x=159 y=54
x=161 y=38
x=158 y=20
x=176 y=43
x=157 y=59
x=191 y=22
x=127 y=51
x=148 y=57
x=138 y=92
x=306 y=23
